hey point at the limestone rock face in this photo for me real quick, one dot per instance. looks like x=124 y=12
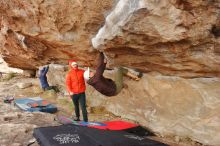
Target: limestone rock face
x=171 y=105
x=37 y=32
x=5 y=69
x=174 y=37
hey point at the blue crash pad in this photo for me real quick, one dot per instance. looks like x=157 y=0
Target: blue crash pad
x=22 y=103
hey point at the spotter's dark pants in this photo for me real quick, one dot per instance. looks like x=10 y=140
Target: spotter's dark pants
x=80 y=99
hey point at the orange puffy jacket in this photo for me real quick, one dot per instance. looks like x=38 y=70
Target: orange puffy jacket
x=75 y=81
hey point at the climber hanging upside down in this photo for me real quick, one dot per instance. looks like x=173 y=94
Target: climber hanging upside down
x=104 y=85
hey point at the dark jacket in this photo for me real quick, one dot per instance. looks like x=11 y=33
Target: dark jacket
x=43 y=77
x=99 y=82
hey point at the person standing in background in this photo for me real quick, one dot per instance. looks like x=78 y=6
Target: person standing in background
x=76 y=87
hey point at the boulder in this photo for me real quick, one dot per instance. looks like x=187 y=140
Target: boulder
x=29 y=73
x=24 y=85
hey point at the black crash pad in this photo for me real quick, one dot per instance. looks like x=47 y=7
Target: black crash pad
x=73 y=135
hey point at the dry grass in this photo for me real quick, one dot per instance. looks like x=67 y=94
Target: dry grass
x=8 y=76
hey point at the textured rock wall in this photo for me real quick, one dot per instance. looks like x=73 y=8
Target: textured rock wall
x=174 y=37
x=5 y=69
x=172 y=106
x=37 y=32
